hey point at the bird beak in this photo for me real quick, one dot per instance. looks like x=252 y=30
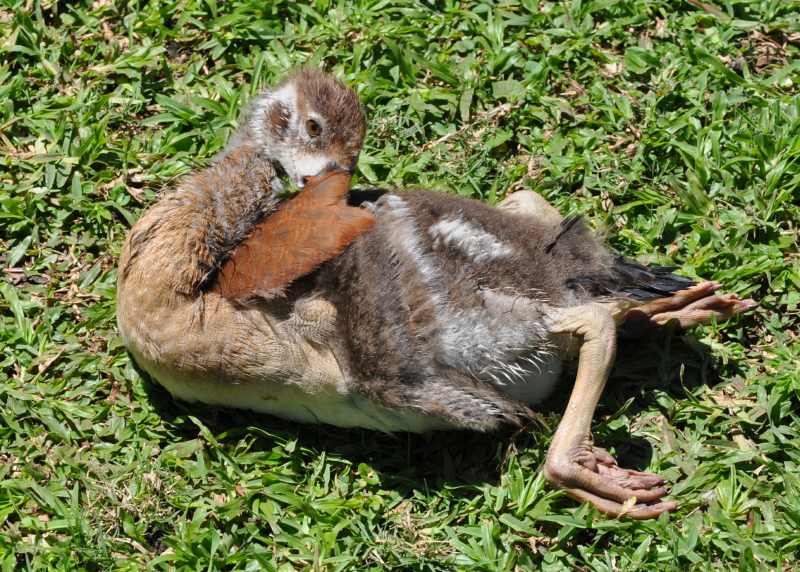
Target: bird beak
x=334 y=166
x=303 y=180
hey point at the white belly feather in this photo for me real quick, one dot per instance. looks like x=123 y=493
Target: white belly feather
x=333 y=404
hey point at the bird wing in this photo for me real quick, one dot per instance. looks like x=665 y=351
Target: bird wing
x=305 y=231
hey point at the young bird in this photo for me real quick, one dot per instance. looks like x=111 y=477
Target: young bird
x=441 y=313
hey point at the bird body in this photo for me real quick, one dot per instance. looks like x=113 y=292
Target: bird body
x=446 y=305
x=439 y=283
x=419 y=311
x=191 y=333
x=441 y=313
x=180 y=315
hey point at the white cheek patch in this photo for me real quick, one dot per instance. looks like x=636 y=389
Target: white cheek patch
x=469 y=239
x=297 y=165
x=307 y=165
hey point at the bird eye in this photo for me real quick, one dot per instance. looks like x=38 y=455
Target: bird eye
x=313 y=127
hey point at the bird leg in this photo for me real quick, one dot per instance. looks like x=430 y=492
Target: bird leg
x=694 y=306
x=585 y=472
x=530 y=203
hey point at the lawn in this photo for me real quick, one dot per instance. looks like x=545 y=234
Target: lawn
x=673 y=126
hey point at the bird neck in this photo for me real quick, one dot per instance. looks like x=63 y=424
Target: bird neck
x=187 y=236
x=236 y=194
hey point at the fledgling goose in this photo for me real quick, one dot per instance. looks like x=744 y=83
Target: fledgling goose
x=446 y=313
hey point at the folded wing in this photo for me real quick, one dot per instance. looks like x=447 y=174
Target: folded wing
x=302 y=234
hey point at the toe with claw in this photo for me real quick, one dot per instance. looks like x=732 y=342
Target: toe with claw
x=700 y=304
x=591 y=474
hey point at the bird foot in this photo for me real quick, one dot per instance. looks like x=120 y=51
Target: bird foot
x=591 y=474
x=694 y=306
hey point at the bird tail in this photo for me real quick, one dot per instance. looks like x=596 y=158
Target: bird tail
x=644 y=283
x=595 y=270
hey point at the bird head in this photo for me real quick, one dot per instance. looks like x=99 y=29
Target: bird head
x=308 y=125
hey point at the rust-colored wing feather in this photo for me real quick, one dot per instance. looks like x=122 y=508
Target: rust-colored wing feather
x=304 y=232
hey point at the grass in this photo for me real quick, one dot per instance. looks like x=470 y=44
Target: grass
x=673 y=126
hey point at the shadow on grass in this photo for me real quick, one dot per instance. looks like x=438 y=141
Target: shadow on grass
x=406 y=461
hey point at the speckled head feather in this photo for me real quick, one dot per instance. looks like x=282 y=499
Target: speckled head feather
x=336 y=104
x=308 y=124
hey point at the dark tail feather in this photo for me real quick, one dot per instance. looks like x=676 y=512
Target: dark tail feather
x=592 y=274
x=648 y=282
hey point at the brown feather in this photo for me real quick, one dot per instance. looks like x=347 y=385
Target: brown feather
x=304 y=232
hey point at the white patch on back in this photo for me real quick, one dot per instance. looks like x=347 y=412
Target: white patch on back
x=469 y=239
x=501 y=340
x=407 y=238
